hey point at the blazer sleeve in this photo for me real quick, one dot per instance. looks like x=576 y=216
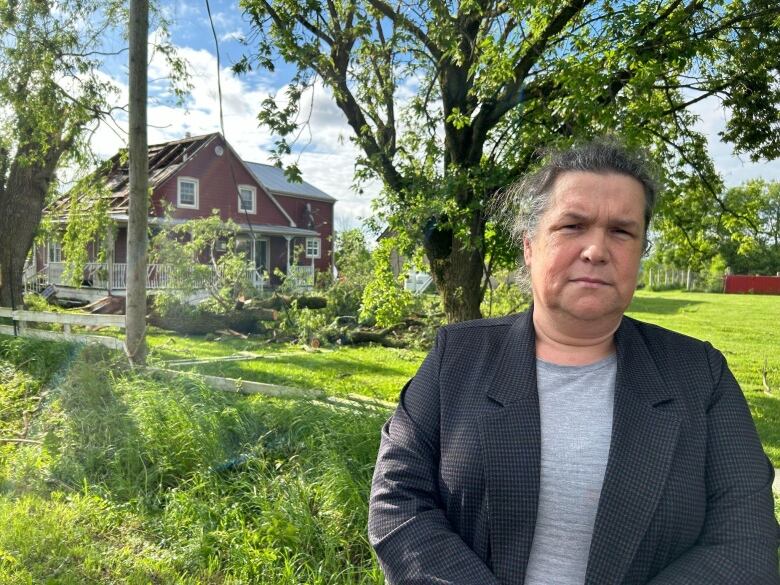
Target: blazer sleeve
x=407 y=525
x=739 y=540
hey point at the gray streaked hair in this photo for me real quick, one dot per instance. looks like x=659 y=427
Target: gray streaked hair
x=521 y=205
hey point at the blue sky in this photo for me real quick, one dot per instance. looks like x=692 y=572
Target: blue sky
x=328 y=158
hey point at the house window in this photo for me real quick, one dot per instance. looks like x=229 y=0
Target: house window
x=312 y=247
x=247 y=199
x=54 y=251
x=188 y=193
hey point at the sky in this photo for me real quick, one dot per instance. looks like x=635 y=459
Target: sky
x=327 y=160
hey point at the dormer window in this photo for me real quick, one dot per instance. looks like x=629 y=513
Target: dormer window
x=247 y=199
x=187 y=193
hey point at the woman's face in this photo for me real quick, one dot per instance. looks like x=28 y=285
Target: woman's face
x=584 y=256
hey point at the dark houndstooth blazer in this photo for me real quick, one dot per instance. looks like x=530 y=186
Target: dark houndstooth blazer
x=687 y=495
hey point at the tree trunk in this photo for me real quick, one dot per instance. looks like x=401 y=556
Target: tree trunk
x=137 y=241
x=22 y=199
x=458 y=278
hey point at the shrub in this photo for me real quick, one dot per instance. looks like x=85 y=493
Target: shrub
x=384 y=297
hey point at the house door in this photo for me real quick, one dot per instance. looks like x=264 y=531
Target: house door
x=261 y=258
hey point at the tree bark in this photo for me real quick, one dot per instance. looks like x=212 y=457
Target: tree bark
x=137 y=240
x=458 y=277
x=22 y=198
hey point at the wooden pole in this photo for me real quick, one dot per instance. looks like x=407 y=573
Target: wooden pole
x=137 y=244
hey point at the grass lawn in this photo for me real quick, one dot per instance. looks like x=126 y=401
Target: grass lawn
x=746 y=328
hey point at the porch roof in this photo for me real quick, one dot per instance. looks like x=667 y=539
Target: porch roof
x=259 y=229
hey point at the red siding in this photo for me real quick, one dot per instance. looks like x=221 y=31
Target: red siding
x=216 y=189
x=752 y=284
x=323 y=223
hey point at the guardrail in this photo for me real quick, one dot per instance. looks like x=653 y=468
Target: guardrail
x=67 y=320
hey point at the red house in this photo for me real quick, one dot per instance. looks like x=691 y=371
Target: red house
x=282 y=225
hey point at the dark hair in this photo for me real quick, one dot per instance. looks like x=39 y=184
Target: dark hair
x=524 y=202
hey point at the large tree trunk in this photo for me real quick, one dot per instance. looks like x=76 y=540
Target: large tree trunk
x=458 y=277
x=22 y=198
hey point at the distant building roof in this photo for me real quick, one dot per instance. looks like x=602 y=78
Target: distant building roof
x=273 y=179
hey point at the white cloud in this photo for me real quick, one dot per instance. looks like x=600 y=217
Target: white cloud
x=735 y=170
x=235 y=35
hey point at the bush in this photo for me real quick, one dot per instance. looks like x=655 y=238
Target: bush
x=384 y=298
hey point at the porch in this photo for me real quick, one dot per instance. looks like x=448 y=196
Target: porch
x=111 y=277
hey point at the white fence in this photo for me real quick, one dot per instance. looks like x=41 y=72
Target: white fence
x=663 y=277
x=67 y=320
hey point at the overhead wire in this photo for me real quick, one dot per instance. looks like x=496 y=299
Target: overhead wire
x=224 y=137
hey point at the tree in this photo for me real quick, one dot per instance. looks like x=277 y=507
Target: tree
x=740 y=227
x=449 y=101
x=51 y=91
x=355 y=270
x=224 y=276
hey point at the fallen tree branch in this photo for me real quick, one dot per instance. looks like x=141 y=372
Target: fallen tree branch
x=26 y=441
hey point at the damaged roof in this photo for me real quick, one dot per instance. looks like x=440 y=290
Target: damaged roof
x=164 y=161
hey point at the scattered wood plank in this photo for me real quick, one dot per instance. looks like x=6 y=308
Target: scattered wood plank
x=278 y=391
x=25 y=441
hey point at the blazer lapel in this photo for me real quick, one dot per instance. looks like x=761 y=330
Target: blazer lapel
x=644 y=438
x=511 y=448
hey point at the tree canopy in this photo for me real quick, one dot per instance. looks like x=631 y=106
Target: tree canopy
x=742 y=232
x=51 y=90
x=450 y=101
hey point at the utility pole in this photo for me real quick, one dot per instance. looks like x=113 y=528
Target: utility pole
x=137 y=239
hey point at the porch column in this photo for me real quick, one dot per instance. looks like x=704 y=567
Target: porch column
x=110 y=245
x=289 y=254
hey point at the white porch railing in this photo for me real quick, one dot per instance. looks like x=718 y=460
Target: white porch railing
x=301 y=276
x=158 y=276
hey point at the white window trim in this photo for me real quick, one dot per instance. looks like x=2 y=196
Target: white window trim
x=319 y=248
x=178 y=193
x=253 y=190
x=56 y=245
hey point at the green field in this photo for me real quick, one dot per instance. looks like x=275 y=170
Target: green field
x=131 y=477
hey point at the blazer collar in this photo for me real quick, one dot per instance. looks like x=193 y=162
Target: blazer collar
x=515 y=375
x=644 y=436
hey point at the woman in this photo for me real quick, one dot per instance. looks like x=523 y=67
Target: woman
x=571 y=444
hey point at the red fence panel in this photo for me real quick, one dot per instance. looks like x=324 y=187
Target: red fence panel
x=738 y=283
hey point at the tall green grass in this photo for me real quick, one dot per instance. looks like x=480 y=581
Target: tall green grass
x=140 y=479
